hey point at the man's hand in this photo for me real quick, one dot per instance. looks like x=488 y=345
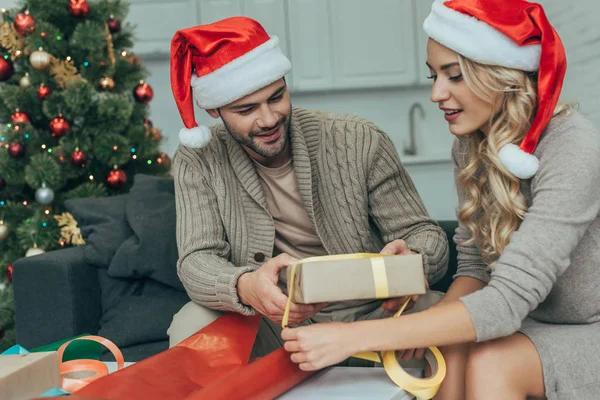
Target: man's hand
x=399 y=247
x=259 y=290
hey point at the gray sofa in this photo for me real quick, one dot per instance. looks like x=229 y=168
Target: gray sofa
x=121 y=285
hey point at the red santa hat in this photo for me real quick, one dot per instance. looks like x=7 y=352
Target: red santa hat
x=218 y=64
x=513 y=34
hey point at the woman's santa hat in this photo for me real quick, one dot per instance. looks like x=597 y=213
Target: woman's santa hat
x=513 y=34
x=221 y=63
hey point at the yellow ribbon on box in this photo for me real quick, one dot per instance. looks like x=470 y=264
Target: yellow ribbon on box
x=425 y=388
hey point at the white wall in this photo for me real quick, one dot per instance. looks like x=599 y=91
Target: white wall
x=575 y=22
x=577 y=25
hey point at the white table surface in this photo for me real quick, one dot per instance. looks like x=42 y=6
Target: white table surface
x=350 y=383
x=341 y=383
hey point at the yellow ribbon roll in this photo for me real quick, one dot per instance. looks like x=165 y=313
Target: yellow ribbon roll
x=424 y=389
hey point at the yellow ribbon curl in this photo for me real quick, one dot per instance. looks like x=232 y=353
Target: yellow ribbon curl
x=425 y=388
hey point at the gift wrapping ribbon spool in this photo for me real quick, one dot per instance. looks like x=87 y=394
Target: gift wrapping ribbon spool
x=72 y=384
x=422 y=388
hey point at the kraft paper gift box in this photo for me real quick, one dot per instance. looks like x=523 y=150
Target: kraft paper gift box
x=357 y=278
x=25 y=376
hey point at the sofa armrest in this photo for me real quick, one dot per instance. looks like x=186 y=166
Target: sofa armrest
x=57 y=296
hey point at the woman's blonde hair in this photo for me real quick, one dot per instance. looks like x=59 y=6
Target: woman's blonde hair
x=494 y=206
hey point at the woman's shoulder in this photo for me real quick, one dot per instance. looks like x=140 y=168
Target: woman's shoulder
x=570 y=142
x=569 y=132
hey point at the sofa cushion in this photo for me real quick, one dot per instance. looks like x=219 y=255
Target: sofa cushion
x=137 y=311
x=103 y=226
x=151 y=250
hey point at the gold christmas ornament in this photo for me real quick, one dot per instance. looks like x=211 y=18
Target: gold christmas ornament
x=109 y=45
x=106 y=83
x=4 y=231
x=40 y=60
x=64 y=72
x=11 y=40
x=70 y=232
x=25 y=81
x=34 y=251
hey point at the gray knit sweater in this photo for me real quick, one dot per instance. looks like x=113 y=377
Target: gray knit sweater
x=354 y=188
x=550 y=270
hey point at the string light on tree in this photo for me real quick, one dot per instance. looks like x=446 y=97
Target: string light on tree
x=59 y=126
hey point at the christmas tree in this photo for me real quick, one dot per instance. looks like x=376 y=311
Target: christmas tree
x=73 y=123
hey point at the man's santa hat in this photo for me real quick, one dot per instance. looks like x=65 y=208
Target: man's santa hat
x=220 y=63
x=509 y=33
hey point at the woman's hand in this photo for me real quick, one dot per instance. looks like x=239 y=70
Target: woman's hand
x=321 y=345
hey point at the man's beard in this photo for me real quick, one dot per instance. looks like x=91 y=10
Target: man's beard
x=260 y=148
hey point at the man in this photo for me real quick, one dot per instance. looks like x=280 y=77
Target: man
x=273 y=184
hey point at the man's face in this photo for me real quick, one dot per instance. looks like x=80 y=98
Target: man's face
x=260 y=121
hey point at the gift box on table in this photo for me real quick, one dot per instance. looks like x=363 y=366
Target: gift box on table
x=23 y=376
x=356 y=277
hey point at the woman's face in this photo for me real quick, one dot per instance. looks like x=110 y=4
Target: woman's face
x=465 y=112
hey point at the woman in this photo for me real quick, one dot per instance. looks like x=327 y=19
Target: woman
x=522 y=317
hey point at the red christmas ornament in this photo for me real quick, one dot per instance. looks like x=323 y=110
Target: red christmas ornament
x=148 y=123
x=114 y=25
x=24 y=23
x=143 y=93
x=59 y=126
x=78 y=158
x=16 y=150
x=43 y=92
x=116 y=178
x=19 y=117
x=9 y=273
x=6 y=69
x=2 y=183
x=79 y=8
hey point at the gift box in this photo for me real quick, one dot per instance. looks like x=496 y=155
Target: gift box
x=356 y=277
x=23 y=376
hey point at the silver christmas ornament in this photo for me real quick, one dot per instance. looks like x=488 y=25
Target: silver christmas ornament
x=44 y=195
x=34 y=251
x=3 y=231
x=25 y=81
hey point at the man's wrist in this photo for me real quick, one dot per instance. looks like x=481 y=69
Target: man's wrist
x=242 y=287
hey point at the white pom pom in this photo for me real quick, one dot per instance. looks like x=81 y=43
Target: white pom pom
x=521 y=164
x=196 y=137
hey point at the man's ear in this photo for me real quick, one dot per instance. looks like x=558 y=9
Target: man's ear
x=213 y=113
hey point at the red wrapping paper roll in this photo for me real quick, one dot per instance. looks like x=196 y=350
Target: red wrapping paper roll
x=211 y=364
x=266 y=378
